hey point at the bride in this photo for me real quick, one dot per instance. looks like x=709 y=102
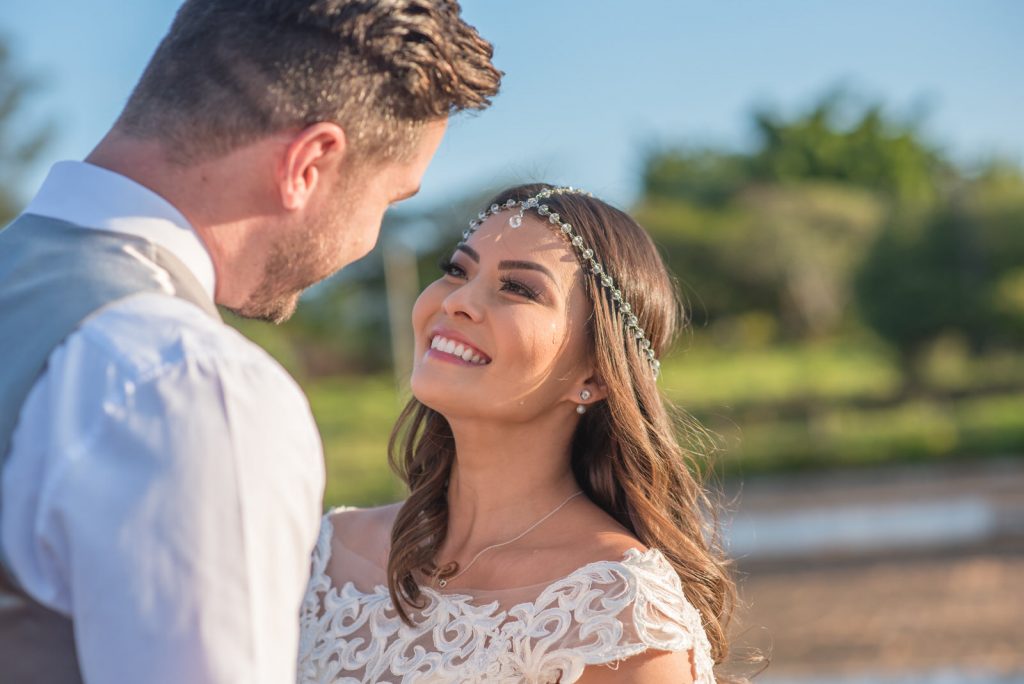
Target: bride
x=553 y=531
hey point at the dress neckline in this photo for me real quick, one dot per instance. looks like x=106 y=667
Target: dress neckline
x=328 y=540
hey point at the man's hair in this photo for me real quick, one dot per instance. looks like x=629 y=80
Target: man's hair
x=232 y=71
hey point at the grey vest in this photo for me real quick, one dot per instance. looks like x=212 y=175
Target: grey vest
x=53 y=276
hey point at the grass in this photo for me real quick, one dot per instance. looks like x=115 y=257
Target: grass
x=706 y=376
x=737 y=395
x=355 y=416
x=920 y=430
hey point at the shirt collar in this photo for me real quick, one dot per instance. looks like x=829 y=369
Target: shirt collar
x=93 y=197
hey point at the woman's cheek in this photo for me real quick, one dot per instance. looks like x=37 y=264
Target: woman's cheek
x=555 y=333
x=425 y=304
x=542 y=344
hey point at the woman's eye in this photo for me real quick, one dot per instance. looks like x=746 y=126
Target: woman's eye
x=518 y=288
x=449 y=267
x=510 y=285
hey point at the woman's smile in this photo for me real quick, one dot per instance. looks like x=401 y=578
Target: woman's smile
x=506 y=300
x=448 y=346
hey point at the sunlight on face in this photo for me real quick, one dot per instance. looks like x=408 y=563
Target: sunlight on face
x=339 y=227
x=502 y=333
x=375 y=187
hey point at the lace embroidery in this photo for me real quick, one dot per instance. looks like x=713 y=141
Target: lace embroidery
x=602 y=613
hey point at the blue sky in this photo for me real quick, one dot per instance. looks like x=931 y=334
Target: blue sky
x=590 y=84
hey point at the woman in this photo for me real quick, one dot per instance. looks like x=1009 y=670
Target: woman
x=553 y=532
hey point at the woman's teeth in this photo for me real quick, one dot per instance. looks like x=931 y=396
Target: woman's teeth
x=457 y=349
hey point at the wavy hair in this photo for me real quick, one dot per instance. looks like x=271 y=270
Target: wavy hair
x=231 y=71
x=626 y=452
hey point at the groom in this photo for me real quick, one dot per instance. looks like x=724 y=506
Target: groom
x=162 y=476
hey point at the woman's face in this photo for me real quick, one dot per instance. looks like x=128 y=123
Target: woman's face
x=502 y=333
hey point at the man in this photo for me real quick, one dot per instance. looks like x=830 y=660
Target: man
x=162 y=477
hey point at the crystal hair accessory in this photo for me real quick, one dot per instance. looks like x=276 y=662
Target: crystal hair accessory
x=629 y=318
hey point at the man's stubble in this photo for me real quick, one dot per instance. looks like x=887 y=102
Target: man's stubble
x=294 y=264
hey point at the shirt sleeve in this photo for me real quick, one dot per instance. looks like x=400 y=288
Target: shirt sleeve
x=180 y=503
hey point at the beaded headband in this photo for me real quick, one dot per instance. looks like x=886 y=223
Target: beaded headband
x=629 y=319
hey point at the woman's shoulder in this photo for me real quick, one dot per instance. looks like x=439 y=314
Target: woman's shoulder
x=363 y=531
x=345 y=521
x=589 y=535
x=662 y=613
x=637 y=584
x=593 y=548
x=663 y=618
x=635 y=574
x=629 y=601
x=642 y=594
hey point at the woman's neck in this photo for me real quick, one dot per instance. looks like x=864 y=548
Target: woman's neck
x=503 y=480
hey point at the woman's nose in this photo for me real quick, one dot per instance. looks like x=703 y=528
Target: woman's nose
x=463 y=302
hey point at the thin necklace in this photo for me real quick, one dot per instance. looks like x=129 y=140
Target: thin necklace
x=443 y=582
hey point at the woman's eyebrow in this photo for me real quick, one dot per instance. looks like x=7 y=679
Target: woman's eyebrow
x=528 y=265
x=507 y=265
x=463 y=247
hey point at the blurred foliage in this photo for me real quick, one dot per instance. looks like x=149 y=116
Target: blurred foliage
x=842 y=217
x=788 y=251
x=956 y=268
x=856 y=297
x=783 y=228
x=839 y=219
x=834 y=141
x=873 y=151
x=355 y=415
x=776 y=409
x=17 y=150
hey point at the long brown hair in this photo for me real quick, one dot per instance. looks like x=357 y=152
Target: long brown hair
x=626 y=454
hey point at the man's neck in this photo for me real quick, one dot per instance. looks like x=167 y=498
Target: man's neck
x=218 y=198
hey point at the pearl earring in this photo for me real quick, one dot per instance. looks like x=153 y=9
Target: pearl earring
x=581 y=409
x=585 y=394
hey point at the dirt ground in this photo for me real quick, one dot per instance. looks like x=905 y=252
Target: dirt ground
x=849 y=617
x=962 y=610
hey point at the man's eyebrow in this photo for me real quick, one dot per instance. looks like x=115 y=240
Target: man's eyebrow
x=463 y=247
x=528 y=265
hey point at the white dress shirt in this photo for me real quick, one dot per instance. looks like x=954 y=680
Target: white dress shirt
x=165 y=478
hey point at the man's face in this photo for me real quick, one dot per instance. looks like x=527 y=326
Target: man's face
x=341 y=227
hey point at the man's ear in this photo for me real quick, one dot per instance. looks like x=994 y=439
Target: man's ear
x=310 y=152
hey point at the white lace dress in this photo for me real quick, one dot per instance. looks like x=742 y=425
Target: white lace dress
x=601 y=613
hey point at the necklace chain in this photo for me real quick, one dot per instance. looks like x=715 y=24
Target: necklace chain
x=443 y=582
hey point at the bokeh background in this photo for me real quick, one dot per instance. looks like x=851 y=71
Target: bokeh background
x=839 y=189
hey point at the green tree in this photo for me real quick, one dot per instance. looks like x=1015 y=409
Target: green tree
x=996 y=201
x=18 y=148
x=922 y=278
x=781 y=230
x=874 y=151
x=956 y=269
x=704 y=177
x=785 y=252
